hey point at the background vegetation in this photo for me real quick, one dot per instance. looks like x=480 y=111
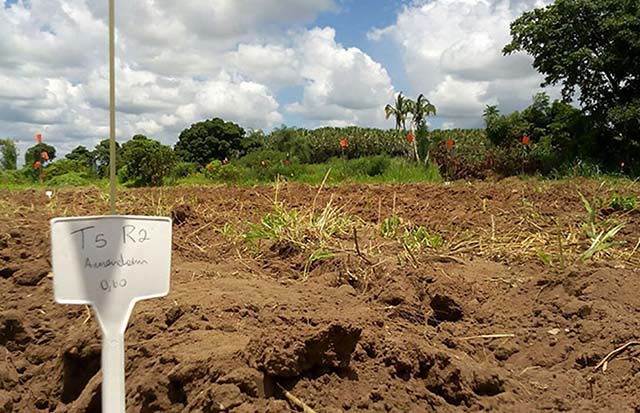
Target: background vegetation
x=591 y=48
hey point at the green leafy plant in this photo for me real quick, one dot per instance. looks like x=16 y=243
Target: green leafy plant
x=316 y=256
x=593 y=208
x=625 y=203
x=545 y=258
x=280 y=224
x=229 y=232
x=601 y=239
x=601 y=242
x=419 y=238
x=390 y=226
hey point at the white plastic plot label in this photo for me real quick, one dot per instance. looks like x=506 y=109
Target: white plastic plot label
x=111 y=262
x=110 y=259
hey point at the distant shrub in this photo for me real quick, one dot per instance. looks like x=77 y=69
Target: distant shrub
x=468 y=155
x=74 y=179
x=558 y=133
x=508 y=160
x=267 y=165
x=578 y=168
x=14 y=177
x=67 y=166
x=183 y=169
x=369 y=166
x=230 y=172
x=292 y=142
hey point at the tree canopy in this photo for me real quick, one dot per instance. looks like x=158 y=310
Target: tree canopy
x=8 y=155
x=81 y=154
x=399 y=111
x=210 y=140
x=419 y=110
x=101 y=156
x=556 y=127
x=146 y=161
x=34 y=153
x=591 y=48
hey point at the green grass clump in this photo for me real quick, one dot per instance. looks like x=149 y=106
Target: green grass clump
x=624 y=203
x=419 y=238
x=302 y=231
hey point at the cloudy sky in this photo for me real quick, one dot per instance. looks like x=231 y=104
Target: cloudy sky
x=261 y=63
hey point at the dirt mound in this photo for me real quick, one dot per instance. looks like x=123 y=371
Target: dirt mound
x=289 y=356
x=378 y=325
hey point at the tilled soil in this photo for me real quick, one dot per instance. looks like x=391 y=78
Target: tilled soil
x=483 y=323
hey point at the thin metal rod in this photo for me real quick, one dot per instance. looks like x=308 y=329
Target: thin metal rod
x=112 y=108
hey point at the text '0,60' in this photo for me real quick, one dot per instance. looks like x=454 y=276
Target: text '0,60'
x=109 y=285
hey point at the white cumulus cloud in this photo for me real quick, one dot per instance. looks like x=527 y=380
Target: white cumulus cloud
x=342 y=86
x=452 y=51
x=177 y=63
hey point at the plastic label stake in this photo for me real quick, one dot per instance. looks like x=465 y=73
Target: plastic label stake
x=110 y=263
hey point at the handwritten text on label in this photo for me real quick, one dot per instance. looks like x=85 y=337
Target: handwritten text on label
x=130 y=234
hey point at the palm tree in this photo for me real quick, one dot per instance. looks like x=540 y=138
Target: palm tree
x=400 y=111
x=419 y=110
x=491 y=111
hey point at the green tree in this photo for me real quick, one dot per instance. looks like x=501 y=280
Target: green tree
x=538 y=116
x=8 y=155
x=145 y=161
x=591 y=48
x=81 y=154
x=573 y=134
x=101 y=156
x=209 y=140
x=254 y=141
x=34 y=154
x=291 y=142
x=558 y=133
x=419 y=110
x=399 y=111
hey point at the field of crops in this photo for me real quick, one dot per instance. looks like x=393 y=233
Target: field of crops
x=502 y=296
